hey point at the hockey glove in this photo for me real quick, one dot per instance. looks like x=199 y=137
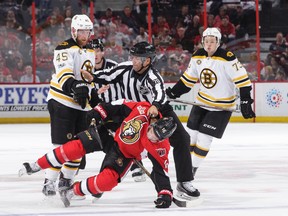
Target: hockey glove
x=246 y=108
x=164 y=199
x=170 y=94
x=80 y=93
x=93 y=114
x=94 y=100
x=245 y=103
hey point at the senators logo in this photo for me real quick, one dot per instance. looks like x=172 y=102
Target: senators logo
x=130 y=131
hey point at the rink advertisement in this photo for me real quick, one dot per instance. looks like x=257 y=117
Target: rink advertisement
x=27 y=103
x=23 y=102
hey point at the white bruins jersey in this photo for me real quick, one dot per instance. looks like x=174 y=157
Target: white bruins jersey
x=218 y=76
x=69 y=58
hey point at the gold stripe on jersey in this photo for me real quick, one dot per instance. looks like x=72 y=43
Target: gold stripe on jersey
x=218 y=102
x=242 y=81
x=63 y=75
x=188 y=80
x=61 y=96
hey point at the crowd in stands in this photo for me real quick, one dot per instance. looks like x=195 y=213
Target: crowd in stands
x=177 y=26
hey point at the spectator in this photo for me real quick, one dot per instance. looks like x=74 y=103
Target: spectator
x=181 y=38
x=44 y=65
x=28 y=75
x=18 y=70
x=251 y=67
x=129 y=19
x=267 y=74
x=218 y=18
x=210 y=20
x=108 y=17
x=142 y=36
x=3 y=68
x=160 y=25
x=184 y=18
x=279 y=45
x=227 y=30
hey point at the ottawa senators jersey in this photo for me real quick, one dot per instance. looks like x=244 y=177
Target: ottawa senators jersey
x=69 y=58
x=131 y=136
x=218 y=76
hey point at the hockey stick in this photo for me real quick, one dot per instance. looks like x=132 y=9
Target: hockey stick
x=203 y=105
x=97 y=136
x=177 y=202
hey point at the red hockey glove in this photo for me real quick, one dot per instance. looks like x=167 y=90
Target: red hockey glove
x=164 y=199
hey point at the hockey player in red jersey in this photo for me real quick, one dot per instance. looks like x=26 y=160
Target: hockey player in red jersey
x=137 y=132
x=220 y=73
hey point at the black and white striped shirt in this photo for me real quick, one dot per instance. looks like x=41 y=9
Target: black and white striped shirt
x=148 y=86
x=114 y=92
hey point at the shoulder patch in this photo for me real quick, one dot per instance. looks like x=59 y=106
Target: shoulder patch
x=66 y=44
x=227 y=55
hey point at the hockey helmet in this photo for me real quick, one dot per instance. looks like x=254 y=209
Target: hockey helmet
x=212 y=32
x=164 y=127
x=96 y=43
x=80 y=21
x=143 y=49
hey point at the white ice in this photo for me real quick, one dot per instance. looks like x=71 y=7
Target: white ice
x=245 y=173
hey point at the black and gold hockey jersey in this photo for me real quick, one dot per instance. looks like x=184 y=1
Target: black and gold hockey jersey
x=218 y=76
x=69 y=58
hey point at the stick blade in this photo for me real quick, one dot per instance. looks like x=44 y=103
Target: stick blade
x=187 y=203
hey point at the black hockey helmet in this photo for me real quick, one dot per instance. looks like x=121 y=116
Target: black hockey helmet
x=143 y=49
x=164 y=127
x=96 y=43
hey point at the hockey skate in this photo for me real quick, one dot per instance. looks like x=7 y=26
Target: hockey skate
x=66 y=195
x=29 y=168
x=138 y=175
x=96 y=197
x=64 y=183
x=187 y=195
x=185 y=190
x=49 y=188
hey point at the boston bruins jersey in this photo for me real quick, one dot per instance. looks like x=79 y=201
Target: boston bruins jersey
x=218 y=76
x=69 y=58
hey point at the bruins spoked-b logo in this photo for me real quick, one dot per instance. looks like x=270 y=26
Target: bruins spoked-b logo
x=208 y=78
x=87 y=66
x=130 y=131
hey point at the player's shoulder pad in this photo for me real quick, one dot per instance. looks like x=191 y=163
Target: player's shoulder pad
x=199 y=52
x=66 y=44
x=225 y=54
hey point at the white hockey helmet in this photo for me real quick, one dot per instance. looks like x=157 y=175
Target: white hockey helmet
x=212 y=32
x=80 y=21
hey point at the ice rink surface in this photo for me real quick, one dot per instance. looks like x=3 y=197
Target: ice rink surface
x=244 y=174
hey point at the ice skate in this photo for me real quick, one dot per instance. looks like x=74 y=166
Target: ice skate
x=185 y=190
x=138 y=175
x=64 y=183
x=96 y=197
x=66 y=195
x=29 y=168
x=49 y=188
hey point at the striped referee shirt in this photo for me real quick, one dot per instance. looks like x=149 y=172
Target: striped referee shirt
x=148 y=86
x=114 y=92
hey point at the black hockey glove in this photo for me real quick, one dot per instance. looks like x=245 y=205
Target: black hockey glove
x=245 y=103
x=246 y=109
x=80 y=93
x=170 y=94
x=164 y=199
x=94 y=100
x=93 y=114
